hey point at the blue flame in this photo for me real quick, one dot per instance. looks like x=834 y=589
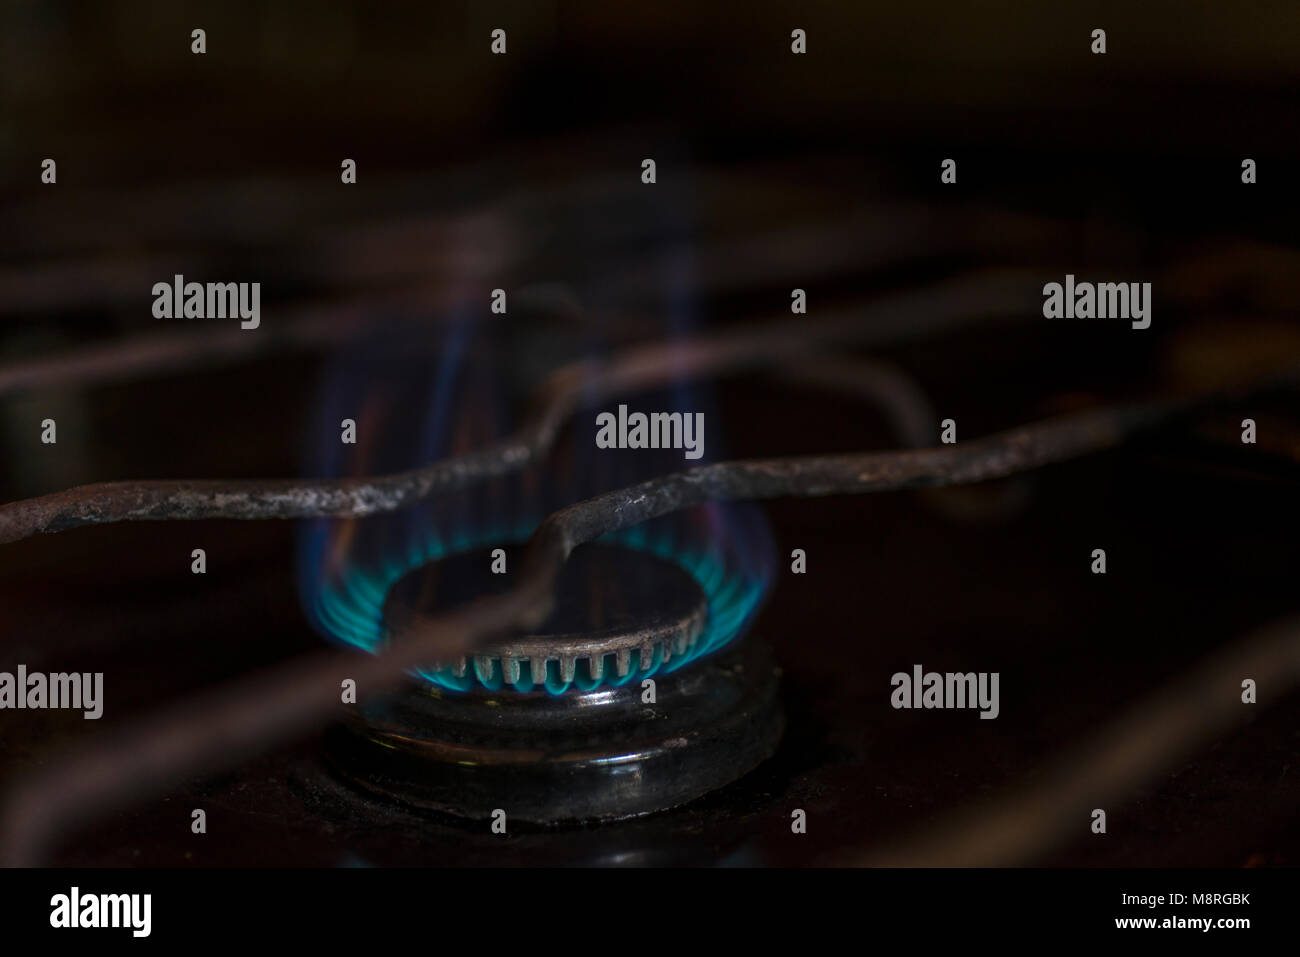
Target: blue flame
x=349 y=608
x=418 y=402
x=347 y=567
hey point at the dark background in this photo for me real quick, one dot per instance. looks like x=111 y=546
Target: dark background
x=522 y=171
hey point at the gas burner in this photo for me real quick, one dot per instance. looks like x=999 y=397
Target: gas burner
x=629 y=723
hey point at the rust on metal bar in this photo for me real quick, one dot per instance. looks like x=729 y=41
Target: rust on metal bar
x=636 y=368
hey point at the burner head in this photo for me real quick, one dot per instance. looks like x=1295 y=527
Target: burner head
x=620 y=614
x=625 y=730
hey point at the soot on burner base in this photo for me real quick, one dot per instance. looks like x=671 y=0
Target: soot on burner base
x=597 y=752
